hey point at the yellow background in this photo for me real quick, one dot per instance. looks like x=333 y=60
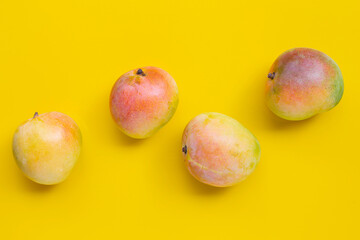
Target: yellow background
x=66 y=55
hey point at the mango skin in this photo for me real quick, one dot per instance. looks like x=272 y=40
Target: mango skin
x=218 y=150
x=306 y=82
x=141 y=104
x=47 y=147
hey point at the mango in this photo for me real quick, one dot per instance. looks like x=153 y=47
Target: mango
x=218 y=150
x=303 y=82
x=143 y=100
x=46 y=147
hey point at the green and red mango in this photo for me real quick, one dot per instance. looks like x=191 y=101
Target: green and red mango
x=303 y=82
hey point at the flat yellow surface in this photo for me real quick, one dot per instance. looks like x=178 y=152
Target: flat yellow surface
x=66 y=55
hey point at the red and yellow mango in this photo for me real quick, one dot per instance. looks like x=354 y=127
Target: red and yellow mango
x=143 y=100
x=303 y=82
x=46 y=147
x=218 y=150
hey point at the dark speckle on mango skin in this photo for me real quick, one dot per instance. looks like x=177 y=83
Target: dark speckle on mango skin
x=271 y=75
x=140 y=72
x=184 y=149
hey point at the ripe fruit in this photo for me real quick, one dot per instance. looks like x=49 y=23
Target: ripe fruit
x=143 y=100
x=46 y=147
x=218 y=150
x=302 y=83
